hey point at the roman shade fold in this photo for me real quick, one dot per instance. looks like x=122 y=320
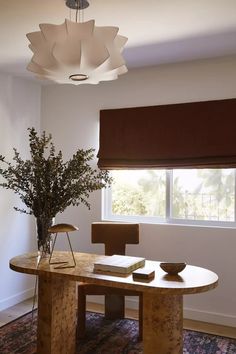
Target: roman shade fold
x=186 y=135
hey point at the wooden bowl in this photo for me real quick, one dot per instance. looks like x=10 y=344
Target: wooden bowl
x=172 y=268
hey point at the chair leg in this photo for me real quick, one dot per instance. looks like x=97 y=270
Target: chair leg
x=81 y=316
x=114 y=306
x=140 y=317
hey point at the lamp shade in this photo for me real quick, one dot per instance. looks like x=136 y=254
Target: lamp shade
x=77 y=53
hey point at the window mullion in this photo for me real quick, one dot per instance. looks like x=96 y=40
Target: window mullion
x=168 y=194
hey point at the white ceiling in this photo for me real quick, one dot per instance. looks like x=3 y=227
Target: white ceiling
x=159 y=31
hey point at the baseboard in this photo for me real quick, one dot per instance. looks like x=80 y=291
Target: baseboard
x=191 y=314
x=97 y=299
x=132 y=303
x=210 y=317
x=15 y=299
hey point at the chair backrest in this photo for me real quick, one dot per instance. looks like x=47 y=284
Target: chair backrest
x=115 y=236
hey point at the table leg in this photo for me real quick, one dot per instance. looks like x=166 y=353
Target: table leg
x=56 y=315
x=162 y=324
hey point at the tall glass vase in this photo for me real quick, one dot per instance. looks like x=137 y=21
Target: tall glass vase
x=44 y=239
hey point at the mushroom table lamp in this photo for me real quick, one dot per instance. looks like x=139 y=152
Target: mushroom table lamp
x=60 y=228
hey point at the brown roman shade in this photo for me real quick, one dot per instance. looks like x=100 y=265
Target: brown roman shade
x=198 y=135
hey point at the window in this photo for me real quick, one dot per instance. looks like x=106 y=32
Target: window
x=194 y=196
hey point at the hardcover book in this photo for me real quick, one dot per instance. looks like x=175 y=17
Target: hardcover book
x=119 y=264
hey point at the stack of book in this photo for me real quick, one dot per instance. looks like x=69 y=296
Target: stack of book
x=118 y=264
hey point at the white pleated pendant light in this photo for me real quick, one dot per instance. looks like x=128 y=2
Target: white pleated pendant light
x=77 y=52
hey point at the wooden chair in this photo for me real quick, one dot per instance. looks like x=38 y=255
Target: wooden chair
x=115 y=236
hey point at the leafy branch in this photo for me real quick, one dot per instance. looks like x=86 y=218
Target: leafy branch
x=46 y=184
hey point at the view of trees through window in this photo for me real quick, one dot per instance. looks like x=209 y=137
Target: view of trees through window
x=193 y=194
x=140 y=192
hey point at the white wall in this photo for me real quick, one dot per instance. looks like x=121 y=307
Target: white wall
x=71 y=114
x=20 y=102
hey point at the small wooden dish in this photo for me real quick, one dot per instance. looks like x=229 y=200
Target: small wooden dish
x=172 y=268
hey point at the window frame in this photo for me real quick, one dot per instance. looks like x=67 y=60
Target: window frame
x=169 y=219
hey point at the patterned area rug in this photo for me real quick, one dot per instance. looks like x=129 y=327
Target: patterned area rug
x=107 y=337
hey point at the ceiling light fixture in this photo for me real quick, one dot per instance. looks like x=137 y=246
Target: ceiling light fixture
x=77 y=52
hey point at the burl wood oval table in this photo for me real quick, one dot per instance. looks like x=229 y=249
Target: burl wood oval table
x=162 y=301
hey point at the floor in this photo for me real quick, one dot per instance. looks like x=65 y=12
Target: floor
x=14 y=312
x=24 y=307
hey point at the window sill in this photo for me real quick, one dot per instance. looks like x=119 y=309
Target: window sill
x=170 y=222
